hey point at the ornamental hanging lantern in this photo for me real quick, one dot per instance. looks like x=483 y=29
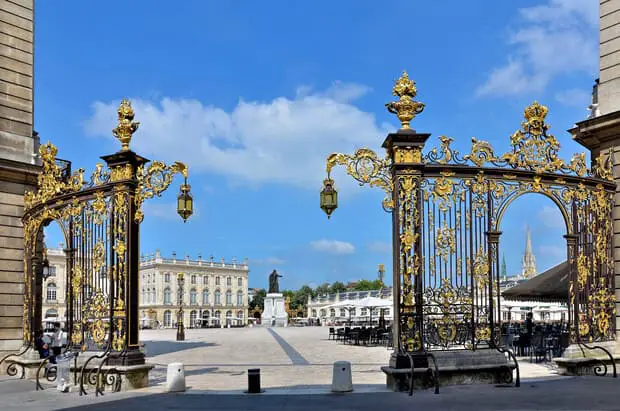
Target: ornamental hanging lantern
x=45 y=273
x=185 y=202
x=329 y=197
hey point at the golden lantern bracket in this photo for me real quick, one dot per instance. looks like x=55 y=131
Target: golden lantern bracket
x=156 y=179
x=366 y=168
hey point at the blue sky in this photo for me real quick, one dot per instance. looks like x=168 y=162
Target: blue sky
x=254 y=95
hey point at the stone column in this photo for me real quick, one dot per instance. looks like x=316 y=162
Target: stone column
x=18 y=169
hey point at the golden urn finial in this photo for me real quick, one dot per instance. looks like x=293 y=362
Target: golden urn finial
x=406 y=108
x=126 y=126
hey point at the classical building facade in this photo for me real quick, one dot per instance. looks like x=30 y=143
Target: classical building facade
x=214 y=293
x=18 y=163
x=54 y=287
x=320 y=307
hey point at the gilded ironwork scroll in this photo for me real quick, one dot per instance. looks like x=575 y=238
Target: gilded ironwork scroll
x=100 y=220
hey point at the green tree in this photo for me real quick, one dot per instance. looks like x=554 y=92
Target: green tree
x=338 y=287
x=301 y=296
x=258 y=300
x=366 y=285
x=323 y=289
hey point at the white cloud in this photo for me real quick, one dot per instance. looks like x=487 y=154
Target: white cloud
x=552 y=251
x=574 y=97
x=279 y=141
x=333 y=246
x=380 y=247
x=551 y=39
x=551 y=217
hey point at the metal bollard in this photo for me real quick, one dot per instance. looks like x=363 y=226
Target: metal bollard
x=254 y=381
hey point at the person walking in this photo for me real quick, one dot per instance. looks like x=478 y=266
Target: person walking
x=56 y=340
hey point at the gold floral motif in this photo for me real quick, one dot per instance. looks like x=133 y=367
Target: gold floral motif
x=76 y=281
x=445 y=241
x=406 y=108
x=481 y=152
x=51 y=181
x=118 y=341
x=584 y=327
x=99 y=256
x=582 y=271
x=96 y=309
x=407 y=155
x=481 y=269
x=126 y=126
x=76 y=334
x=483 y=333
x=124 y=172
x=604 y=166
x=99 y=207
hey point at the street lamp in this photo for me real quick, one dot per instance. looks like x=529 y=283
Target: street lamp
x=45 y=272
x=180 y=328
x=329 y=196
x=185 y=202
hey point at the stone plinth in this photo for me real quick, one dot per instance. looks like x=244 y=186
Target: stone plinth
x=458 y=367
x=274 y=311
x=578 y=360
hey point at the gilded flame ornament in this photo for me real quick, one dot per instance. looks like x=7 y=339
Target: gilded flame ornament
x=126 y=126
x=406 y=108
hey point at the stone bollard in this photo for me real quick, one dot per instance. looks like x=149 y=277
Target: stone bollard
x=254 y=381
x=342 y=381
x=175 y=379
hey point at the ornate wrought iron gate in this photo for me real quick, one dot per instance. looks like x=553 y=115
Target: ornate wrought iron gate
x=100 y=219
x=447 y=211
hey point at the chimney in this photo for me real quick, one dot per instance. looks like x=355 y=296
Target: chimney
x=174 y=257
x=199 y=258
x=211 y=260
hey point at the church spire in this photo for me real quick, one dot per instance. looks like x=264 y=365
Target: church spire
x=528 y=263
x=503 y=267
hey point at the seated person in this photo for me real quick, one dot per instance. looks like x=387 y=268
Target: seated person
x=41 y=345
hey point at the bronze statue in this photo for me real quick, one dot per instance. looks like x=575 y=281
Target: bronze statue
x=273 y=282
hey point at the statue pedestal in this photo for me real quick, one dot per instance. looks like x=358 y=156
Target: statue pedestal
x=274 y=311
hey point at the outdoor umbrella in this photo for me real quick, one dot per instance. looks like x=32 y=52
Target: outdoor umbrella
x=373 y=302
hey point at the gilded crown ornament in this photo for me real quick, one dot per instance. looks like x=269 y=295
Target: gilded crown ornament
x=126 y=126
x=406 y=108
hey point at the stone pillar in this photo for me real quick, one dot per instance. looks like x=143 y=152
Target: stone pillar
x=18 y=169
x=602 y=133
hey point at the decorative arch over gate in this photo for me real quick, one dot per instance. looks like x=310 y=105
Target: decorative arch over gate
x=446 y=210
x=100 y=218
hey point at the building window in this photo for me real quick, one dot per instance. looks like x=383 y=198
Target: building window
x=228 y=281
x=323 y=313
x=217 y=280
x=217 y=317
x=51 y=313
x=240 y=315
x=343 y=313
x=205 y=280
x=314 y=313
x=239 y=298
x=192 y=318
x=332 y=312
x=192 y=297
x=217 y=297
x=205 y=296
x=167 y=317
x=228 y=297
x=228 y=317
x=167 y=296
x=240 y=282
x=52 y=271
x=193 y=279
x=167 y=277
x=51 y=292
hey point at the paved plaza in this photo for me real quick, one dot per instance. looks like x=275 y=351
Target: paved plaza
x=293 y=357
x=296 y=365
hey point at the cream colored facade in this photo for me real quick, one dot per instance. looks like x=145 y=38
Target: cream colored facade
x=55 y=286
x=214 y=293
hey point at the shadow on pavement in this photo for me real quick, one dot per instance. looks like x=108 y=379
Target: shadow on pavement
x=167 y=347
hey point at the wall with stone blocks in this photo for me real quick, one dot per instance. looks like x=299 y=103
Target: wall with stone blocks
x=16 y=80
x=17 y=170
